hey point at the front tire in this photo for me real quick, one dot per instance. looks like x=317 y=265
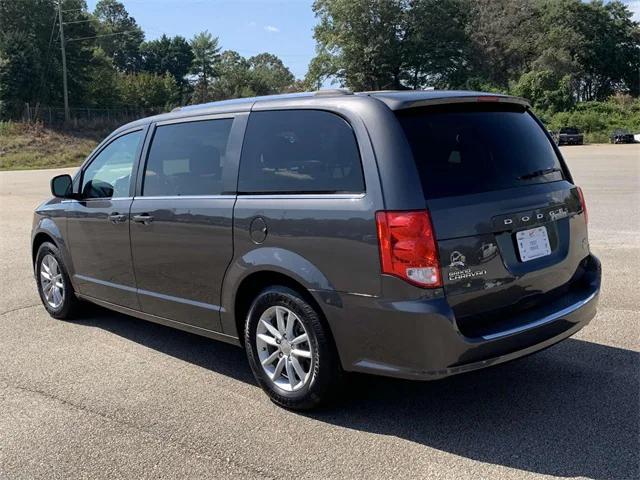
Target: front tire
x=54 y=286
x=290 y=350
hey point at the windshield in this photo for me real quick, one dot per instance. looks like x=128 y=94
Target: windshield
x=471 y=148
x=570 y=131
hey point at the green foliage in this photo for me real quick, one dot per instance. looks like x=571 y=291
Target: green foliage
x=104 y=87
x=234 y=78
x=110 y=66
x=120 y=35
x=435 y=48
x=598 y=119
x=363 y=38
x=148 y=90
x=559 y=51
x=263 y=74
x=568 y=57
x=268 y=74
x=30 y=69
x=206 y=54
x=168 y=55
x=546 y=90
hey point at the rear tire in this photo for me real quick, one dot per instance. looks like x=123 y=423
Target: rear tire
x=290 y=350
x=54 y=286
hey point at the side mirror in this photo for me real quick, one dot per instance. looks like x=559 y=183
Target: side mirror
x=61 y=186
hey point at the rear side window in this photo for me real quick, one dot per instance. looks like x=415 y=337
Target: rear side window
x=187 y=158
x=299 y=151
x=462 y=149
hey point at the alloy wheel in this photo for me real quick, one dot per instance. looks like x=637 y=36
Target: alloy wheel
x=284 y=349
x=51 y=281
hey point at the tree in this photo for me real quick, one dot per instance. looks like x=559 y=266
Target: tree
x=30 y=69
x=269 y=75
x=167 y=55
x=104 y=89
x=205 y=58
x=436 y=49
x=321 y=68
x=234 y=77
x=263 y=74
x=380 y=44
x=504 y=36
x=547 y=91
x=364 y=39
x=610 y=53
x=120 y=36
x=149 y=91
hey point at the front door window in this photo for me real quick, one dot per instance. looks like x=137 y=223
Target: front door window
x=109 y=174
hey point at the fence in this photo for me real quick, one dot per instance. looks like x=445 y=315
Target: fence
x=80 y=116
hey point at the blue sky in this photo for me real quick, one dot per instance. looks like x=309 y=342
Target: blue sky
x=282 y=27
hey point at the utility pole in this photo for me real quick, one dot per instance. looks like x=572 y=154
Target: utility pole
x=64 y=64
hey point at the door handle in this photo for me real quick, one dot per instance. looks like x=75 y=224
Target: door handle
x=117 y=217
x=144 y=218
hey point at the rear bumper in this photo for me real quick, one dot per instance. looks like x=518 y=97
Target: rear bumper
x=419 y=339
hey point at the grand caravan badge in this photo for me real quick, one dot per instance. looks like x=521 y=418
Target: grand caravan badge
x=458 y=268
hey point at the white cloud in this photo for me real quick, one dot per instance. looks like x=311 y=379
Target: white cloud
x=271 y=29
x=251 y=24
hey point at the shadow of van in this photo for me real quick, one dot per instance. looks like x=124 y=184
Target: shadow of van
x=569 y=411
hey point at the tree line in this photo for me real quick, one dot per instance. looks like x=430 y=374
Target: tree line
x=557 y=53
x=553 y=52
x=110 y=64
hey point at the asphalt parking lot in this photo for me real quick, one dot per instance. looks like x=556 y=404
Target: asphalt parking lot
x=109 y=396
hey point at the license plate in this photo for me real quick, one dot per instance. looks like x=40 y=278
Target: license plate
x=533 y=243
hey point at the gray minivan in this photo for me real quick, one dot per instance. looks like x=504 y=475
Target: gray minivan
x=413 y=234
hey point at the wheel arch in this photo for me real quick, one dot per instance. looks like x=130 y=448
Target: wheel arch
x=254 y=283
x=40 y=238
x=47 y=230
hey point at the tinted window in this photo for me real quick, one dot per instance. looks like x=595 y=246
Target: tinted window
x=297 y=151
x=109 y=174
x=471 y=149
x=187 y=158
x=569 y=131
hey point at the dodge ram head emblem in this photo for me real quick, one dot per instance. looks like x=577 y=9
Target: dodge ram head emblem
x=457 y=260
x=458 y=268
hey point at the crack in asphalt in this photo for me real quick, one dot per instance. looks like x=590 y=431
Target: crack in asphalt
x=163 y=440
x=19 y=308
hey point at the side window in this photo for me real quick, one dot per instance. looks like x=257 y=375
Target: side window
x=187 y=158
x=109 y=173
x=299 y=151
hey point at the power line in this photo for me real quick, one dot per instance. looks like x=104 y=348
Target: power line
x=79 y=21
x=103 y=35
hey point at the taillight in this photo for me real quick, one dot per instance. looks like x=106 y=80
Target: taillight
x=584 y=205
x=408 y=247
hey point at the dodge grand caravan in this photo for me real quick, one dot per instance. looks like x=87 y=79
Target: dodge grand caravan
x=409 y=234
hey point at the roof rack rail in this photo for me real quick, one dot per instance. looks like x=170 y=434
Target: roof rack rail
x=329 y=92
x=176 y=109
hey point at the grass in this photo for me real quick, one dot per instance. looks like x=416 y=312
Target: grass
x=25 y=146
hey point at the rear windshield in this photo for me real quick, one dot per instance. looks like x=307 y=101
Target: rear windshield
x=471 y=148
x=569 y=131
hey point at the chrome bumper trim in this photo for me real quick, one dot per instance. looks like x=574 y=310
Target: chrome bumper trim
x=542 y=321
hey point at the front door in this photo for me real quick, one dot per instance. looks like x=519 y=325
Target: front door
x=98 y=224
x=181 y=223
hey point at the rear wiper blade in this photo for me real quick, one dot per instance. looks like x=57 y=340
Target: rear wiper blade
x=539 y=173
